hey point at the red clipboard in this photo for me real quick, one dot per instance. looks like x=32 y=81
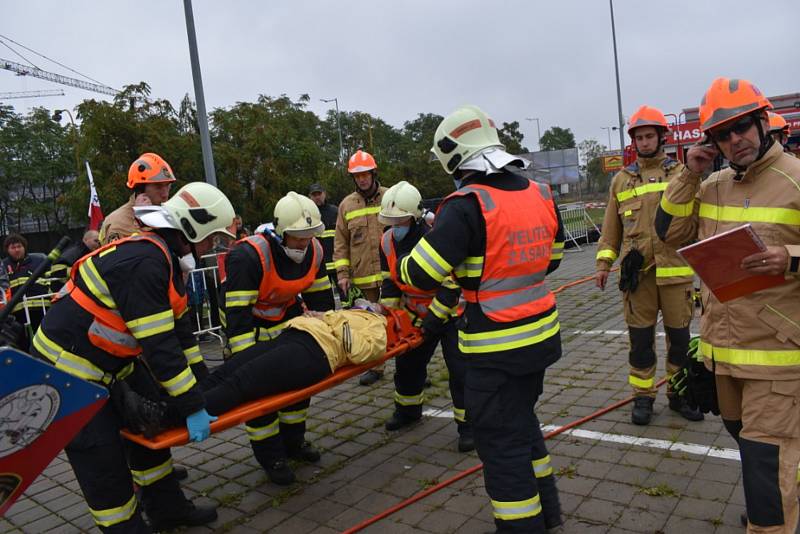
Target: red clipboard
x=717 y=261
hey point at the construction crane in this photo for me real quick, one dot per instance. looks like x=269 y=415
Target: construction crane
x=31 y=94
x=25 y=70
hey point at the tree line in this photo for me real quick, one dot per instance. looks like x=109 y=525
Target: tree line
x=262 y=149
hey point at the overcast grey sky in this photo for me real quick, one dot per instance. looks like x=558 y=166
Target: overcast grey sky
x=515 y=59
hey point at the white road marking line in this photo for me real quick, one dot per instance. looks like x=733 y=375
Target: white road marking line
x=612 y=333
x=675 y=446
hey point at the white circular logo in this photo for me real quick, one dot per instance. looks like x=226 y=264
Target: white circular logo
x=25 y=414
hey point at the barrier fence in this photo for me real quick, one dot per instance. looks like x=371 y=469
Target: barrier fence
x=578 y=226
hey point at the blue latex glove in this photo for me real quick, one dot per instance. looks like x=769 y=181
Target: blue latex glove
x=198 y=425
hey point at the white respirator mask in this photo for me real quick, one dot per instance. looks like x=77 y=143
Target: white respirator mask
x=187 y=263
x=294 y=254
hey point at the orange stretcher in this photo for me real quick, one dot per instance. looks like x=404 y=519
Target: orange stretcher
x=402 y=336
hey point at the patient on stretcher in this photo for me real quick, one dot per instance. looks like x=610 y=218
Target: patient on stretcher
x=311 y=348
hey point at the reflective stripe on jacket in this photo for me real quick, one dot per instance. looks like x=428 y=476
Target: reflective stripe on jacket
x=358 y=236
x=634 y=197
x=109 y=331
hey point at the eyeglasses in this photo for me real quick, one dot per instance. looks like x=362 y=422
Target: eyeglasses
x=739 y=127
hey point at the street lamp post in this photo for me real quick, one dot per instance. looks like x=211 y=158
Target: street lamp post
x=538 y=134
x=616 y=70
x=338 y=127
x=608 y=131
x=57 y=117
x=199 y=96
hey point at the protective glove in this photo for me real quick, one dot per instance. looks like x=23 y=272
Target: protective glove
x=199 y=425
x=629 y=269
x=695 y=383
x=432 y=326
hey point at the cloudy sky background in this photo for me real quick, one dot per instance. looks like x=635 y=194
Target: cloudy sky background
x=514 y=58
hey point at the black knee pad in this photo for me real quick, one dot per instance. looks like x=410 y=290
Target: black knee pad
x=733 y=428
x=678 y=344
x=642 y=354
x=762 y=493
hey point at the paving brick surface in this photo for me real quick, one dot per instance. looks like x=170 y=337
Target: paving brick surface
x=608 y=482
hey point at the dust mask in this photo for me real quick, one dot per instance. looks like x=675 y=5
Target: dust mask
x=187 y=262
x=400 y=232
x=294 y=254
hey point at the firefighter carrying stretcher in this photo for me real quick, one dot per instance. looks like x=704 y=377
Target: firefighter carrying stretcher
x=123 y=300
x=434 y=310
x=266 y=274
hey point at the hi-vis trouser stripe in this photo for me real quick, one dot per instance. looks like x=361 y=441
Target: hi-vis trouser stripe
x=362 y=280
x=157 y=323
x=509 y=338
x=242 y=341
x=669 y=272
x=428 y=260
x=641 y=383
x=542 y=467
x=113 y=516
x=510 y=510
x=320 y=284
x=460 y=415
x=193 y=355
x=180 y=383
x=152 y=475
x=259 y=433
x=245 y=297
x=293 y=418
x=363 y=212
x=558 y=251
x=408 y=400
x=72 y=363
x=606 y=254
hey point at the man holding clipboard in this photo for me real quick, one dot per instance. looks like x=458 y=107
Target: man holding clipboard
x=752 y=343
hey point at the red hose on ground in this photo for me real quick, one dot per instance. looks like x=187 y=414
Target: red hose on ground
x=474 y=469
x=433 y=489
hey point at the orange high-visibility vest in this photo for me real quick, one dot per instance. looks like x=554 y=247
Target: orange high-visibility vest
x=417 y=300
x=276 y=295
x=108 y=331
x=520 y=229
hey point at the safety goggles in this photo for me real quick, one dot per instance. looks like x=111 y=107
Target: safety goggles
x=740 y=127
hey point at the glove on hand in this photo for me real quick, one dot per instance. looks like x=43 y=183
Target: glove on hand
x=629 y=269
x=199 y=425
x=695 y=383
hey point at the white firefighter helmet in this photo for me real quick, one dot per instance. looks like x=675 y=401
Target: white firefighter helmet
x=298 y=216
x=197 y=210
x=463 y=134
x=400 y=202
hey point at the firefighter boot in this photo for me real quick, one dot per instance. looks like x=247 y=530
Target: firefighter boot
x=280 y=473
x=167 y=508
x=466 y=439
x=642 y=410
x=303 y=452
x=370 y=377
x=679 y=404
x=402 y=418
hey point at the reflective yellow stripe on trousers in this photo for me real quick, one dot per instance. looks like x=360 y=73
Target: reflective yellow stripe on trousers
x=150 y=476
x=112 y=516
x=510 y=510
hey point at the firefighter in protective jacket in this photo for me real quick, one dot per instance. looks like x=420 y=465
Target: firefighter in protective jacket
x=752 y=343
x=653 y=276
x=122 y=301
x=270 y=278
x=499 y=234
x=435 y=311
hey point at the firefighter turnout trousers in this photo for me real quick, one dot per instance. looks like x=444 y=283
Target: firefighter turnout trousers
x=412 y=369
x=763 y=417
x=641 y=314
x=106 y=466
x=272 y=435
x=516 y=465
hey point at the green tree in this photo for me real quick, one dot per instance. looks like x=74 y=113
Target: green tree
x=37 y=168
x=417 y=167
x=590 y=151
x=557 y=138
x=512 y=138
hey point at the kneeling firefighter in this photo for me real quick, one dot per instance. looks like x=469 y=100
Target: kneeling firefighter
x=270 y=278
x=434 y=310
x=653 y=276
x=123 y=301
